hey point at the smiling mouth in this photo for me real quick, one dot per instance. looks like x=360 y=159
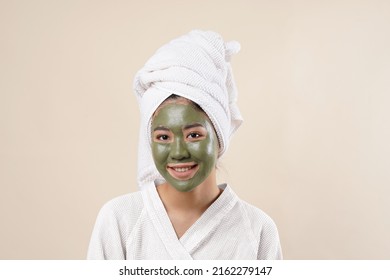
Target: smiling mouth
x=182 y=171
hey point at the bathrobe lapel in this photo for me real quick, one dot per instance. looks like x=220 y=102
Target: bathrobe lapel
x=162 y=224
x=202 y=230
x=198 y=233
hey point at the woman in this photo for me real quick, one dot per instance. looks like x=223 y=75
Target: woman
x=188 y=110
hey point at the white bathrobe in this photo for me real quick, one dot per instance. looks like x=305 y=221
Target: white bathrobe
x=136 y=226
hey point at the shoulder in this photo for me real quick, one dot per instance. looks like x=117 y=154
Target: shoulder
x=265 y=230
x=261 y=224
x=113 y=225
x=123 y=208
x=257 y=216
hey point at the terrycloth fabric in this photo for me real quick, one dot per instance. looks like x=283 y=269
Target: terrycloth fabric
x=137 y=227
x=195 y=66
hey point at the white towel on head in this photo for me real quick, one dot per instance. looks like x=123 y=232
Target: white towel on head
x=195 y=66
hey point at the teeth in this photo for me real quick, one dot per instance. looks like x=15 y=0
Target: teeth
x=182 y=169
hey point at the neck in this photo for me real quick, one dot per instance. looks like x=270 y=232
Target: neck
x=197 y=200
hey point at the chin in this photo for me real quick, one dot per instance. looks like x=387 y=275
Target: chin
x=183 y=188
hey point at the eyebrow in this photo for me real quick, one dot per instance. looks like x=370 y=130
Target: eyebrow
x=189 y=126
x=161 y=128
x=192 y=126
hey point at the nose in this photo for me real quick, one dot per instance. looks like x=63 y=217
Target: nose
x=179 y=150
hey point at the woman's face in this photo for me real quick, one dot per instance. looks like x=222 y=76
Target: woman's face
x=184 y=145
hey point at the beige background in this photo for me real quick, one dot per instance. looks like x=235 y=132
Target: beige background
x=313 y=79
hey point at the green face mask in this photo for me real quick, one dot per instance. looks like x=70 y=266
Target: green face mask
x=184 y=146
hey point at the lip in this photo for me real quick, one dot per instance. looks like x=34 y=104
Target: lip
x=183 y=175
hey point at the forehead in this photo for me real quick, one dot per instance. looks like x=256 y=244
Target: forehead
x=178 y=114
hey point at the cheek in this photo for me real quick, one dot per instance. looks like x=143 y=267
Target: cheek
x=159 y=152
x=204 y=150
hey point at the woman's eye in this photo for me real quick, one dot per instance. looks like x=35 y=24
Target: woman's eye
x=162 y=137
x=194 y=135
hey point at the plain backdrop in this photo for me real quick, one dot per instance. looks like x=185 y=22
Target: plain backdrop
x=313 y=152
